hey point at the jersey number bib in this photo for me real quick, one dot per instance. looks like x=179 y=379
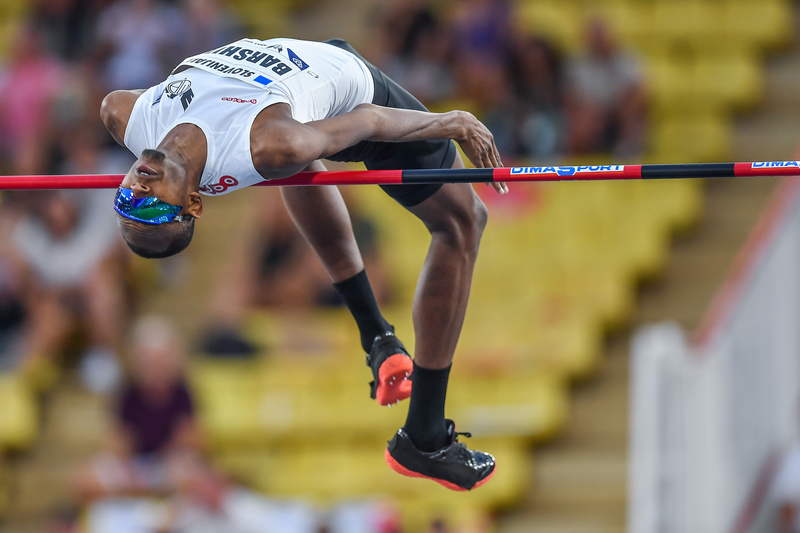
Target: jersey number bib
x=255 y=62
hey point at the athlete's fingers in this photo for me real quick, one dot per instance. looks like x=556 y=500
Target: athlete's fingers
x=500 y=187
x=496 y=162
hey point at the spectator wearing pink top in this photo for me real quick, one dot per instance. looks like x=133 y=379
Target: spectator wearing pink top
x=28 y=85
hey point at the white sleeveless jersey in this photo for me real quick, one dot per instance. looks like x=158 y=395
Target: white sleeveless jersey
x=223 y=91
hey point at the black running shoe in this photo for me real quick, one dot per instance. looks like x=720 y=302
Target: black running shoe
x=392 y=367
x=455 y=466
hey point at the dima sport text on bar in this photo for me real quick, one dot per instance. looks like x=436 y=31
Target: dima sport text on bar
x=469 y=175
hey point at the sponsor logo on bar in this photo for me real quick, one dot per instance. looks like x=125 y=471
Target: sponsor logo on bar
x=776 y=164
x=567 y=171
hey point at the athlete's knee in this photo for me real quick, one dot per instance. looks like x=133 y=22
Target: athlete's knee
x=462 y=226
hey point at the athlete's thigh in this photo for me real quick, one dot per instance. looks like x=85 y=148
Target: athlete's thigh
x=451 y=203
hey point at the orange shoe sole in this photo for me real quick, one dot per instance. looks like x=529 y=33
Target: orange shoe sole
x=394 y=379
x=400 y=469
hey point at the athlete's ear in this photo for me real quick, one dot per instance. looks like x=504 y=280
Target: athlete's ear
x=195 y=205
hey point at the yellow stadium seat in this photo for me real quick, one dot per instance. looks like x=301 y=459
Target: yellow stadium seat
x=683 y=20
x=767 y=23
x=692 y=139
x=559 y=22
x=19 y=415
x=735 y=79
x=267 y=405
x=331 y=474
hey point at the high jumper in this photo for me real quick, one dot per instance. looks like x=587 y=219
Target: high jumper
x=265 y=110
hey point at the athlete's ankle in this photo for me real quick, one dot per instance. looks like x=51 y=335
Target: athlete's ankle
x=357 y=294
x=425 y=424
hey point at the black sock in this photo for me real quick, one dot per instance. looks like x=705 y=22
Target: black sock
x=425 y=423
x=358 y=295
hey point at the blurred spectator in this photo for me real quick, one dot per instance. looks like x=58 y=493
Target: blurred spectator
x=29 y=83
x=72 y=271
x=208 y=26
x=139 y=41
x=67 y=26
x=419 y=51
x=82 y=151
x=12 y=316
x=538 y=85
x=62 y=266
x=155 y=426
x=273 y=266
x=205 y=502
x=605 y=97
x=482 y=42
x=12 y=297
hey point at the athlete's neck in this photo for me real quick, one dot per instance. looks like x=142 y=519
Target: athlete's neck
x=187 y=144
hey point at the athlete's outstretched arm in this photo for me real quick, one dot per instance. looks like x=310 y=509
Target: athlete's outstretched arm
x=281 y=143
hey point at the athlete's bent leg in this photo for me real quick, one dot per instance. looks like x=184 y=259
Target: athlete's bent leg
x=321 y=215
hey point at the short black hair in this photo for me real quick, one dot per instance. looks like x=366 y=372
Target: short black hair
x=180 y=240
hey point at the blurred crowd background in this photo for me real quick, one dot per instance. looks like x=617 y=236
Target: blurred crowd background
x=208 y=416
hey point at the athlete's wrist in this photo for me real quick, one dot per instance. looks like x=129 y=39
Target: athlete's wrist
x=459 y=125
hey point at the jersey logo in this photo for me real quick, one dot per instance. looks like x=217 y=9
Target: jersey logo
x=302 y=65
x=239 y=100
x=218 y=188
x=182 y=88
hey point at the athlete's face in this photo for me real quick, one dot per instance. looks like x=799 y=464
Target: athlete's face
x=155 y=174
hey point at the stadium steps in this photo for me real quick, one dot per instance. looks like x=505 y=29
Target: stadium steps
x=774 y=133
x=72 y=429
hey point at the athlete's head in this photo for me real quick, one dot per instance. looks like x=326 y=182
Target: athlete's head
x=156 y=205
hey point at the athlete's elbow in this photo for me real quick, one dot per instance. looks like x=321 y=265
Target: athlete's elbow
x=372 y=120
x=108 y=111
x=284 y=151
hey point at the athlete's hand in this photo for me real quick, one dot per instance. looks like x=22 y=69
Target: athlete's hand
x=478 y=144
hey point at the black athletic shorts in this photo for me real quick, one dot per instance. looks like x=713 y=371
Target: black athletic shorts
x=392 y=156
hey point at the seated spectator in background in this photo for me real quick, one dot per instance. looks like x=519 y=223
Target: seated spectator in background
x=273 y=266
x=482 y=42
x=154 y=427
x=67 y=26
x=12 y=316
x=12 y=302
x=73 y=267
x=205 y=502
x=139 y=42
x=418 y=53
x=82 y=151
x=606 y=97
x=208 y=26
x=536 y=74
x=29 y=82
